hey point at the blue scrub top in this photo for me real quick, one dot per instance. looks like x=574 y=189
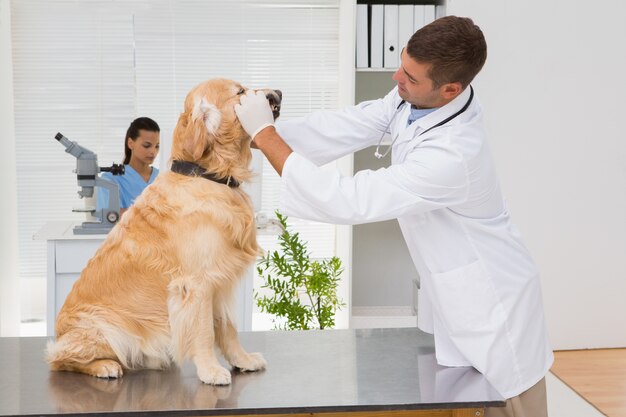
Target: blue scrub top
x=131 y=184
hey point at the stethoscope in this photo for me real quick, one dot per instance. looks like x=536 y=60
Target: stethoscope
x=378 y=155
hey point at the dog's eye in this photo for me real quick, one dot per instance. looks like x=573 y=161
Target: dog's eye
x=241 y=91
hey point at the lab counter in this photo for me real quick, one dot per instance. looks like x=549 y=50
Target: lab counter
x=67 y=255
x=358 y=372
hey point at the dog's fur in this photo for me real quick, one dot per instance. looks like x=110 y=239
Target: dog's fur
x=160 y=287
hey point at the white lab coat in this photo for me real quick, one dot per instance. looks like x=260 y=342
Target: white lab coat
x=480 y=291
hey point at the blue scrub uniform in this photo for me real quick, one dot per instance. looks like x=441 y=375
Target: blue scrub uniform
x=131 y=184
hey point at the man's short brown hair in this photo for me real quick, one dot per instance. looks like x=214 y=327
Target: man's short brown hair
x=454 y=46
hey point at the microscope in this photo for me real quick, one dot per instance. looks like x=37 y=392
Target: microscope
x=87 y=170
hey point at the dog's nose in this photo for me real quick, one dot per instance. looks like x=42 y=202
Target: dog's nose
x=275 y=97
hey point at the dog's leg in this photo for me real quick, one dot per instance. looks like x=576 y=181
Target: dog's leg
x=191 y=323
x=228 y=342
x=84 y=351
x=209 y=369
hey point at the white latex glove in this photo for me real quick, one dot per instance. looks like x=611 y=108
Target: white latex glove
x=254 y=112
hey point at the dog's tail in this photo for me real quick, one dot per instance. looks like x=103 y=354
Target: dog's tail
x=104 y=340
x=74 y=348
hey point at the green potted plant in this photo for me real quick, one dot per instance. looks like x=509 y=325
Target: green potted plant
x=299 y=292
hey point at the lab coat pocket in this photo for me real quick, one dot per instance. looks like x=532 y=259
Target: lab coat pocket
x=467 y=302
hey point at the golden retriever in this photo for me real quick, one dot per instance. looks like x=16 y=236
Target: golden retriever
x=160 y=287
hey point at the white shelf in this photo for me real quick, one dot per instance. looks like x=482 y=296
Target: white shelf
x=376 y=69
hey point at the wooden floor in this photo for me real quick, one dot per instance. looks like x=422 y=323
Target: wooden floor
x=598 y=375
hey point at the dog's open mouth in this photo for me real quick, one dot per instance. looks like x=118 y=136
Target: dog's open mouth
x=275 y=97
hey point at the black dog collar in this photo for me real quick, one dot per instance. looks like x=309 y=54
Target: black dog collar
x=194 y=170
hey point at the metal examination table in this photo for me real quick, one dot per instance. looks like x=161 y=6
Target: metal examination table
x=379 y=372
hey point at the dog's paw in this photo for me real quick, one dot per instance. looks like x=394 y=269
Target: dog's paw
x=215 y=375
x=105 y=368
x=250 y=362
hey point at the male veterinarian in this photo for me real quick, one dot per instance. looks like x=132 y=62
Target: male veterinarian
x=480 y=291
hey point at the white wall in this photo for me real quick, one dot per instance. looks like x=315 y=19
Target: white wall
x=343 y=239
x=9 y=282
x=553 y=91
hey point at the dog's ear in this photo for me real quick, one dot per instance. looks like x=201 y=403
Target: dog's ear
x=206 y=119
x=209 y=113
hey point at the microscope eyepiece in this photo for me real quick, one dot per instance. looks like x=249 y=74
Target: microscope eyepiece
x=58 y=136
x=115 y=169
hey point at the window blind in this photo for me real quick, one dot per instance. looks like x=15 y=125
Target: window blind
x=88 y=68
x=291 y=46
x=73 y=73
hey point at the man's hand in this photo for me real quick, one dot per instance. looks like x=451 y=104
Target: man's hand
x=254 y=112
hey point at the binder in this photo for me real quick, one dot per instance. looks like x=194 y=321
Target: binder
x=440 y=11
x=376 y=36
x=362 y=52
x=429 y=13
x=418 y=16
x=390 y=56
x=405 y=26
